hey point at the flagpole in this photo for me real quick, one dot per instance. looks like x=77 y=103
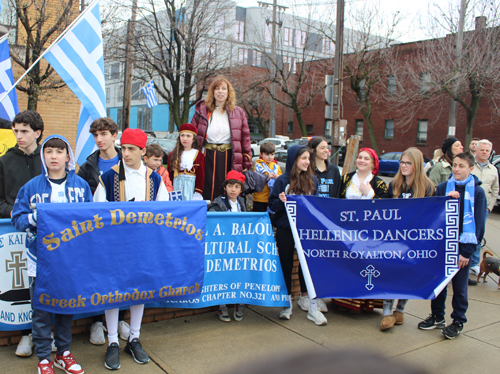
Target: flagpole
x=68 y=29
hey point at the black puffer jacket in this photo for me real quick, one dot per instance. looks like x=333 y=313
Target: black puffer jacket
x=16 y=169
x=221 y=204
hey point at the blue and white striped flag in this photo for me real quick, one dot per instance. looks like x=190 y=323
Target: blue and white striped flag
x=78 y=59
x=150 y=94
x=9 y=107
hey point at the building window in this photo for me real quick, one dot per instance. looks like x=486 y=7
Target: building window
x=422 y=131
x=287 y=63
x=243 y=56
x=136 y=91
x=389 y=129
x=358 y=129
x=294 y=65
x=392 y=85
x=108 y=112
x=256 y=58
x=425 y=83
x=300 y=39
x=119 y=119
x=309 y=129
x=288 y=36
x=211 y=52
x=328 y=46
x=252 y=125
x=219 y=24
x=239 y=32
x=115 y=71
x=268 y=33
x=144 y=118
x=107 y=95
x=289 y=127
x=119 y=93
x=328 y=128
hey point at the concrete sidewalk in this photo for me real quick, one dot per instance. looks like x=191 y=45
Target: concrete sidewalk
x=203 y=344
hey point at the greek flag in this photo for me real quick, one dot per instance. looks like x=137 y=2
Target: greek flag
x=150 y=94
x=9 y=107
x=78 y=59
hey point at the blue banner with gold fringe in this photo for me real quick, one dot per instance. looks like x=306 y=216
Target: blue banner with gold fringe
x=98 y=256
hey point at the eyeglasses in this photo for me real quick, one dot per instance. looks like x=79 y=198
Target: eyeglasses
x=405 y=163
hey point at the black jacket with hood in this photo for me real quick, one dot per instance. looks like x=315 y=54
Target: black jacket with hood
x=16 y=169
x=281 y=185
x=90 y=169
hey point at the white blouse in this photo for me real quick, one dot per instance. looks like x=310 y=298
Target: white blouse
x=219 y=131
x=187 y=159
x=353 y=191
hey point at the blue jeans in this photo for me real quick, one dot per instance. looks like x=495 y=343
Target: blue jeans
x=42 y=328
x=475 y=259
x=460 y=302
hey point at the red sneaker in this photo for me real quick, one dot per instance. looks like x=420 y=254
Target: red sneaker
x=68 y=363
x=47 y=368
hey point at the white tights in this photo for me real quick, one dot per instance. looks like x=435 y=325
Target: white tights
x=136 y=312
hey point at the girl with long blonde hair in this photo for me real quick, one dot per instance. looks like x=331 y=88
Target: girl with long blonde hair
x=409 y=182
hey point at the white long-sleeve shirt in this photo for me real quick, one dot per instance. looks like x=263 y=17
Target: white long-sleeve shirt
x=135 y=186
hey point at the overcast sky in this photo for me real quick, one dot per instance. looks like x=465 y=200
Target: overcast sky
x=414 y=12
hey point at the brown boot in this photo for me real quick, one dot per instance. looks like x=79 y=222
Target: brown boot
x=400 y=317
x=387 y=322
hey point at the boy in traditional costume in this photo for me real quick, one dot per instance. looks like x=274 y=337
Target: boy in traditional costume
x=130 y=180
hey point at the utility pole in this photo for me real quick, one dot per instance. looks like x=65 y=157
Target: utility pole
x=338 y=125
x=273 y=74
x=129 y=68
x=274 y=23
x=452 y=119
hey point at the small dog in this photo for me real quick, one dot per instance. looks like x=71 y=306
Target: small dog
x=489 y=265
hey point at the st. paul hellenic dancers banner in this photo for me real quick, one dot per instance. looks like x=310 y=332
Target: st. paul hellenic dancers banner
x=241 y=264
x=97 y=256
x=375 y=249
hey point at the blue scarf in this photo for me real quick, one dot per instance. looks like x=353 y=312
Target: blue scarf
x=468 y=235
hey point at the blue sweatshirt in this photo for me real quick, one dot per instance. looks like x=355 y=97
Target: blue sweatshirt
x=281 y=185
x=38 y=190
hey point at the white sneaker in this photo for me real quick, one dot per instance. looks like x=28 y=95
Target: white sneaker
x=285 y=313
x=303 y=303
x=97 y=335
x=123 y=330
x=316 y=316
x=475 y=270
x=321 y=305
x=24 y=348
x=53 y=345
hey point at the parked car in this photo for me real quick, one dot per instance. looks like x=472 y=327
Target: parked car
x=278 y=143
x=167 y=145
x=389 y=163
x=280 y=156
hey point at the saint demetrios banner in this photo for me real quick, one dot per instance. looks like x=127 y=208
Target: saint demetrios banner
x=97 y=256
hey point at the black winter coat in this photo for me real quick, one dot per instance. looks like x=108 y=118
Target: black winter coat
x=16 y=169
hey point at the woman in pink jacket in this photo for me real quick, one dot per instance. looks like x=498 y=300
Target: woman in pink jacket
x=223 y=136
